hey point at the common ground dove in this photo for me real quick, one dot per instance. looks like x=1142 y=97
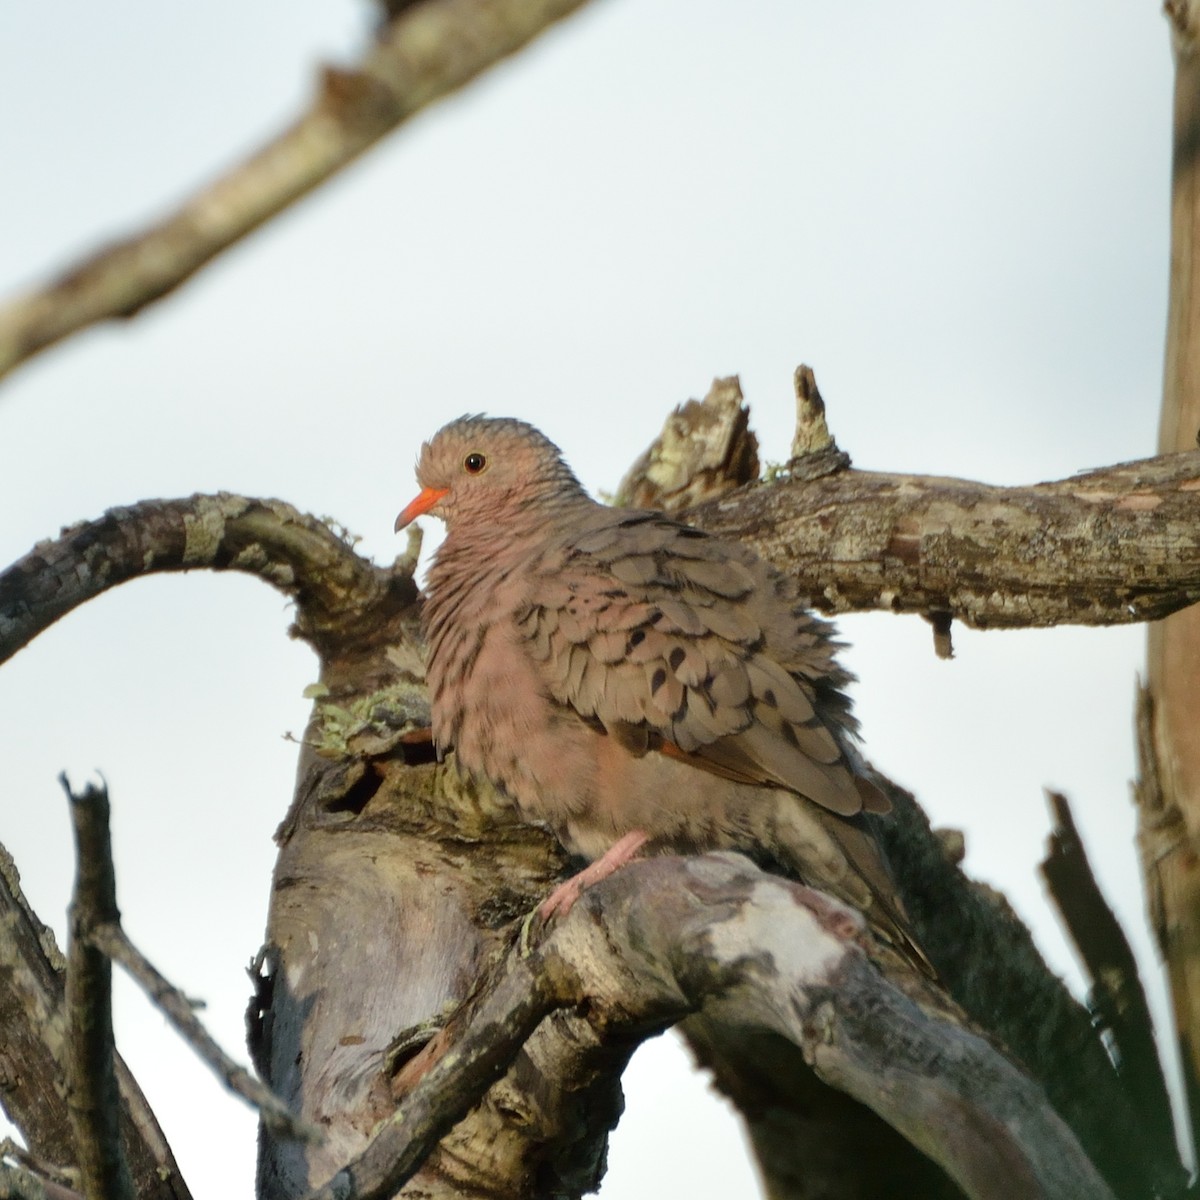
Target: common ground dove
x=631 y=681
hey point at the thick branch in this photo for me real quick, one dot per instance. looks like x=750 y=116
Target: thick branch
x=1116 y=545
x=17 y=1183
x=1113 y=546
x=668 y=937
x=426 y=53
x=1172 y=876
x=303 y=557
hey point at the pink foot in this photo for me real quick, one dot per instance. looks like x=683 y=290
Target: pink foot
x=562 y=899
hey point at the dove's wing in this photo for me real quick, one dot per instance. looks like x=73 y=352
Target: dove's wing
x=676 y=641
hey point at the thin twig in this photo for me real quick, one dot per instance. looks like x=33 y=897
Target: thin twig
x=1117 y=993
x=93 y=1096
x=112 y=940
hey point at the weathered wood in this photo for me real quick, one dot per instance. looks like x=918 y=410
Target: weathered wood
x=992 y=557
x=303 y=557
x=665 y=938
x=1110 y=547
x=93 y=1099
x=1169 y=795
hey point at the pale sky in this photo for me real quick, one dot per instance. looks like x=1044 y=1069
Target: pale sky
x=957 y=214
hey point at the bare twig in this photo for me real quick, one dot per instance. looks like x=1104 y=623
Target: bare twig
x=668 y=937
x=429 y=51
x=1117 y=993
x=94 y=1099
x=112 y=940
x=943 y=638
x=33 y=1057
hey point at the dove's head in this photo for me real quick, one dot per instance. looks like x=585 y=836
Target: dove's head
x=488 y=469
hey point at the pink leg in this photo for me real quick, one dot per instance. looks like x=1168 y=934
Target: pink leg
x=563 y=898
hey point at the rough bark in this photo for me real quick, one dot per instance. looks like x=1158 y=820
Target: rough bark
x=428 y=51
x=664 y=939
x=1117 y=545
x=992 y=557
x=1169 y=791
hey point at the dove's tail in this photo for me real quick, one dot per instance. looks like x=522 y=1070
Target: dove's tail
x=885 y=913
x=840 y=855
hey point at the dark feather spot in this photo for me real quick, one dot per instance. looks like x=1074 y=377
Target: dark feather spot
x=636 y=638
x=657 y=680
x=676 y=658
x=768 y=698
x=654 y=616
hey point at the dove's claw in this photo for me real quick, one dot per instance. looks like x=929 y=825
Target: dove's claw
x=562 y=899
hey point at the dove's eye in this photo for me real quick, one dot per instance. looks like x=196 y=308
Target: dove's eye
x=474 y=463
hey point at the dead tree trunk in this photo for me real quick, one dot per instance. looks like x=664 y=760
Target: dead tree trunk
x=1168 y=792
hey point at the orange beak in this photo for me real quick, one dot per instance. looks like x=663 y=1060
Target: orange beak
x=421 y=505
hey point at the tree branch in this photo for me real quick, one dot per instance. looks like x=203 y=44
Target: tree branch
x=360 y=618
x=1109 y=547
x=429 y=51
x=93 y=1098
x=301 y=556
x=1172 y=878
x=668 y=937
x=1117 y=995
x=1113 y=546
